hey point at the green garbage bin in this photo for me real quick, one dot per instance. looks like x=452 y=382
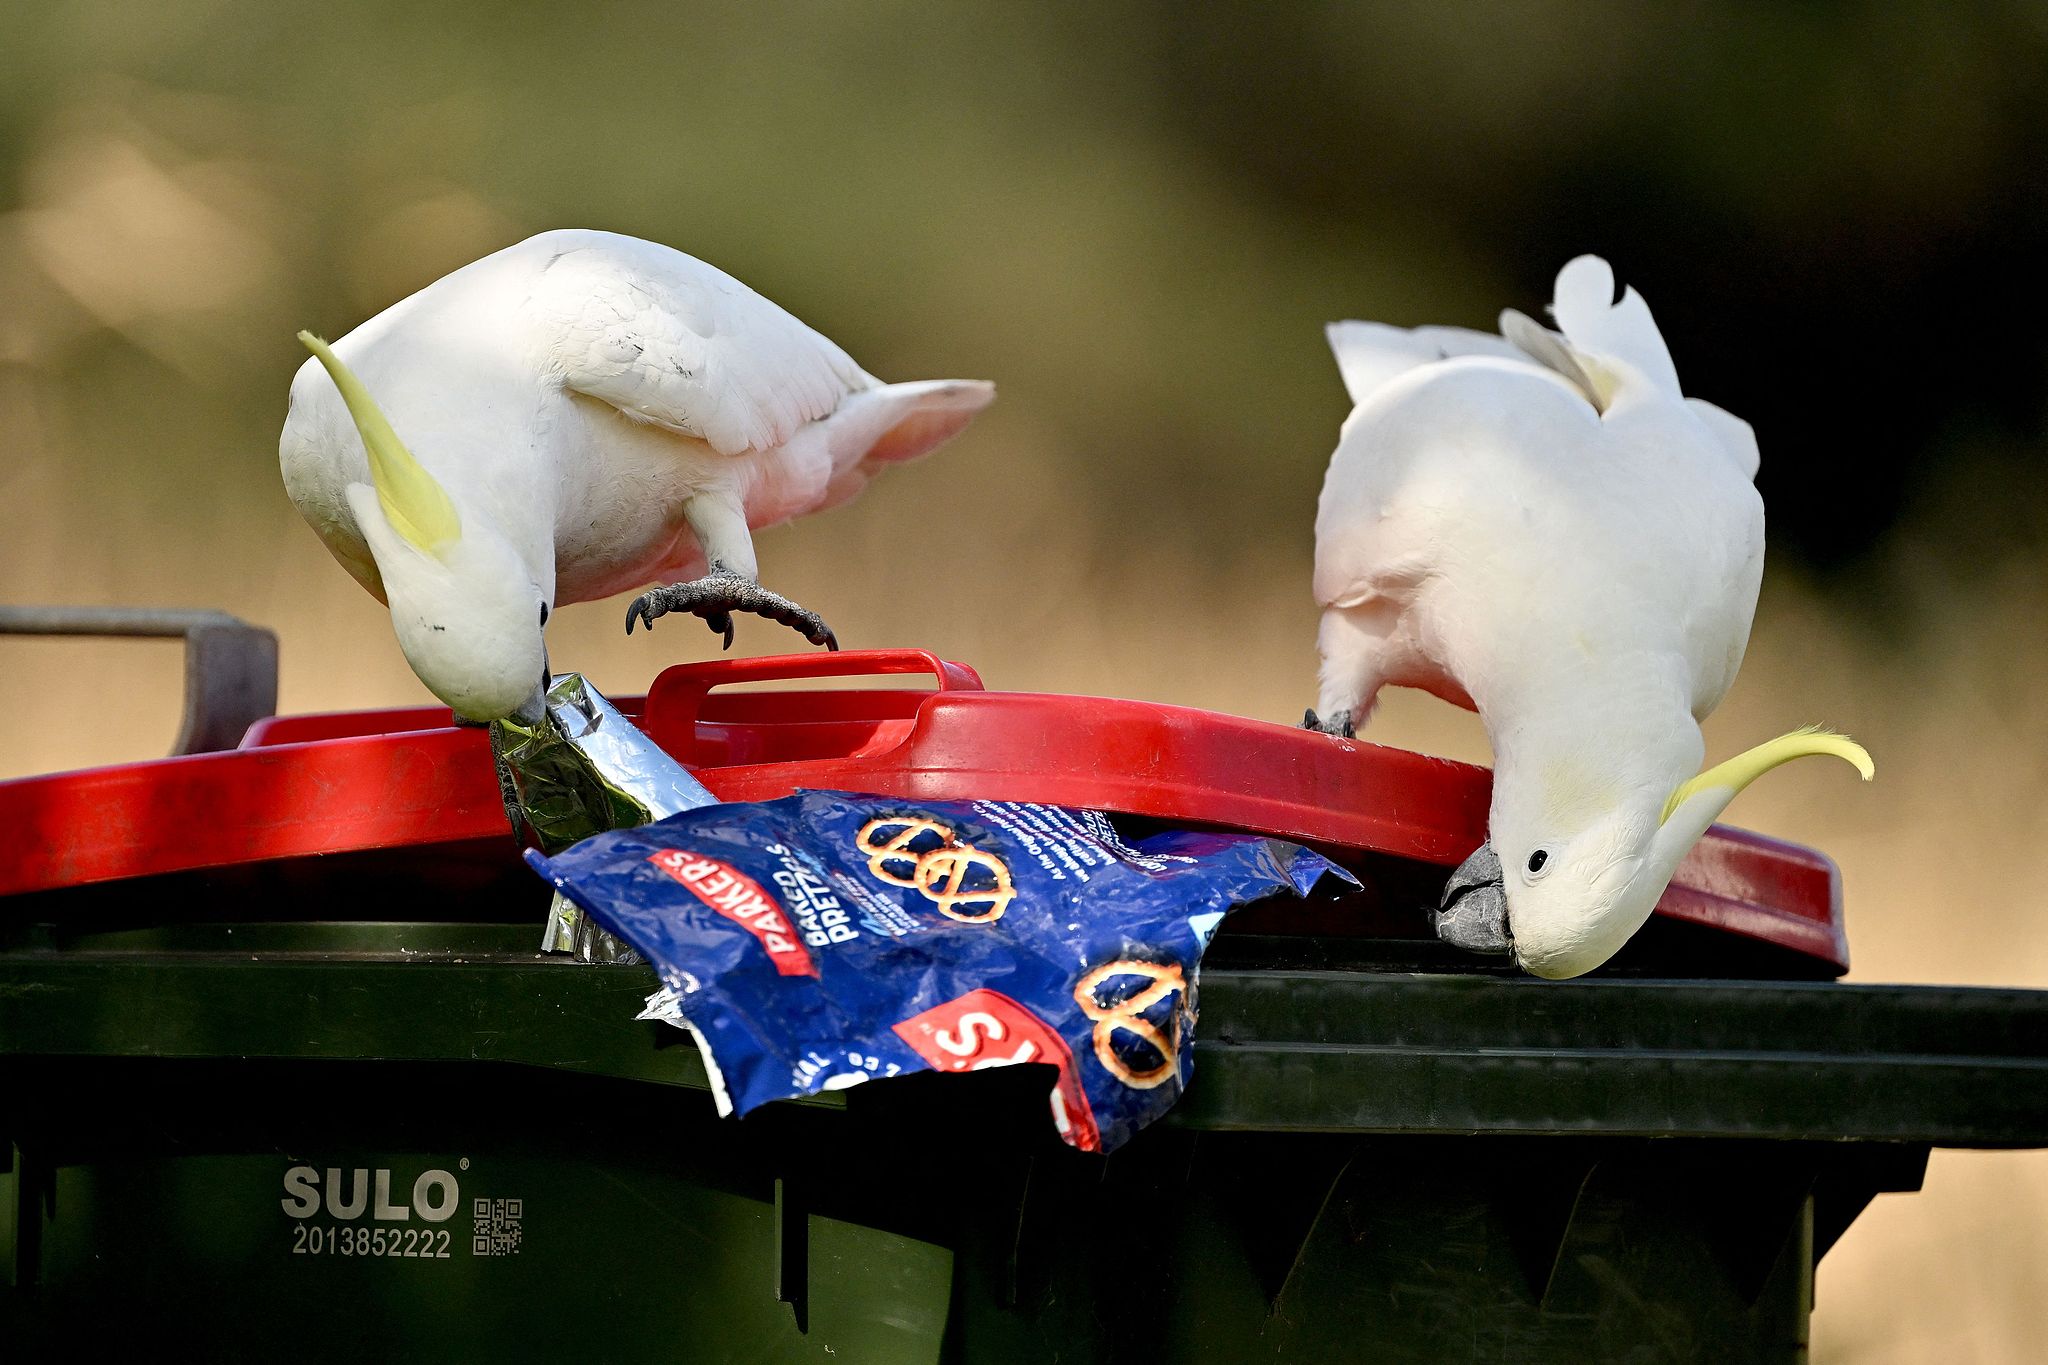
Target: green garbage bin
x=349 y=1142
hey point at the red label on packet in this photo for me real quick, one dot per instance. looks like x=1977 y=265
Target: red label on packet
x=985 y=1028
x=738 y=897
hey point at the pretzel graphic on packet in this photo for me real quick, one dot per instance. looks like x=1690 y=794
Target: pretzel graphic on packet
x=1127 y=1016
x=943 y=874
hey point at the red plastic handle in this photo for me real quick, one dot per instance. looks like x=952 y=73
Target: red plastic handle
x=679 y=692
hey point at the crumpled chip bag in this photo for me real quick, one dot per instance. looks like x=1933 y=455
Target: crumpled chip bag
x=826 y=939
x=582 y=769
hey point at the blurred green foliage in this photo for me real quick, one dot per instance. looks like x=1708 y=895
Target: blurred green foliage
x=1136 y=217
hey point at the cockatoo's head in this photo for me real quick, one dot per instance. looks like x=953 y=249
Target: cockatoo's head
x=1575 y=863
x=466 y=606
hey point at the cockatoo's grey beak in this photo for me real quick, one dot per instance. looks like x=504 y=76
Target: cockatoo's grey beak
x=534 y=709
x=1474 y=912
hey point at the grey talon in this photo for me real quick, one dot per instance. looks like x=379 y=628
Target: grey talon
x=1338 y=724
x=720 y=593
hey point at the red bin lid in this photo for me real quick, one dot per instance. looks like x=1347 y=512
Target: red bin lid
x=345 y=782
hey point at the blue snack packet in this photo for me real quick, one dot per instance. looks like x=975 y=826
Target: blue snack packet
x=827 y=939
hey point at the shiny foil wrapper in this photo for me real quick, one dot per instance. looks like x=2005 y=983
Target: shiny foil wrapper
x=582 y=770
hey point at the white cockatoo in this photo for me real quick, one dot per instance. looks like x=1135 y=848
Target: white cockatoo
x=570 y=417
x=1544 y=529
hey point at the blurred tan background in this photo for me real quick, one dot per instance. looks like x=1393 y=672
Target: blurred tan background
x=1136 y=219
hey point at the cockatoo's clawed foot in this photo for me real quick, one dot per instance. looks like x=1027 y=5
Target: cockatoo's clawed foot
x=1338 y=724
x=717 y=595
x=508 y=792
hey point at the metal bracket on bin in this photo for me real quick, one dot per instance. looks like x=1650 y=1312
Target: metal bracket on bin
x=230 y=665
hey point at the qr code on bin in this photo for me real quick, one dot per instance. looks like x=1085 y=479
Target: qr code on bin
x=497 y=1227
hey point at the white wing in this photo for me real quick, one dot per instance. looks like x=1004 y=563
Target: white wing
x=669 y=340
x=1736 y=437
x=1370 y=354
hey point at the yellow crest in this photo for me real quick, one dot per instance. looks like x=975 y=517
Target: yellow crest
x=1745 y=768
x=417 y=507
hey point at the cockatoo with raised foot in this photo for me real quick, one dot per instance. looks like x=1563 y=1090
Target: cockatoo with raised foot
x=1542 y=527
x=571 y=417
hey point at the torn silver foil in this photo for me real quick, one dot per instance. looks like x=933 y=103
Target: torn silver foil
x=582 y=770
x=665 y=1007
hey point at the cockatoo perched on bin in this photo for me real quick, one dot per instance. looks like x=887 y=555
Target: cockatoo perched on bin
x=570 y=417
x=1543 y=528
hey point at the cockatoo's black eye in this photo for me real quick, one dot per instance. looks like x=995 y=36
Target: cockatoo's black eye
x=1537 y=860
x=543 y=613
